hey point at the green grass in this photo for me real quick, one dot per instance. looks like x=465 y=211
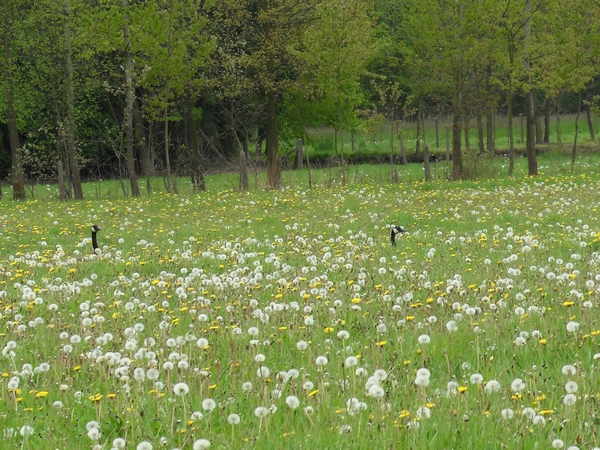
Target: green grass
x=321 y=142
x=502 y=258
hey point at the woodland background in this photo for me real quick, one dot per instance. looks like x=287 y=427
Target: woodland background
x=93 y=89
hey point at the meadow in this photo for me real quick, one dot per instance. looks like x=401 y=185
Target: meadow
x=286 y=319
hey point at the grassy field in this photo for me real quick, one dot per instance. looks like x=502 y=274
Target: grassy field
x=322 y=141
x=287 y=320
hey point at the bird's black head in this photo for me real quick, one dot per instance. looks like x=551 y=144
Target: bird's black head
x=399 y=229
x=95 y=228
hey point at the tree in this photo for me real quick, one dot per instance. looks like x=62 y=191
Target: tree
x=279 y=25
x=338 y=47
x=9 y=33
x=71 y=152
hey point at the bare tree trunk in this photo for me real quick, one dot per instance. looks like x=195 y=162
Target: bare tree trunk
x=448 y=144
x=558 y=128
x=426 y=162
x=141 y=137
x=167 y=142
x=243 y=171
x=77 y=188
x=489 y=113
x=299 y=158
x=457 y=166
x=193 y=146
x=547 y=121
x=511 y=139
x=530 y=138
x=129 y=93
x=402 y=148
x=273 y=163
x=529 y=98
x=574 y=155
x=539 y=139
x=480 y=133
x=419 y=129
x=18 y=180
x=590 y=121
x=62 y=192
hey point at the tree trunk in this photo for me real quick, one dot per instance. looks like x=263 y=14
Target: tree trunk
x=574 y=155
x=539 y=139
x=489 y=131
x=419 y=129
x=530 y=132
x=511 y=139
x=426 y=162
x=170 y=185
x=299 y=158
x=18 y=180
x=558 y=128
x=198 y=182
x=547 y=121
x=480 y=133
x=62 y=192
x=530 y=96
x=273 y=165
x=129 y=93
x=590 y=121
x=402 y=148
x=243 y=171
x=489 y=113
x=141 y=136
x=77 y=188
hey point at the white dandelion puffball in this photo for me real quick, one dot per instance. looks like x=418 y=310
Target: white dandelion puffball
x=26 y=430
x=517 y=385
x=573 y=327
x=569 y=399
x=119 y=443
x=376 y=391
x=181 y=389
x=301 y=345
x=424 y=373
x=380 y=374
x=263 y=372
x=476 y=378
x=557 y=443
x=424 y=339
x=492 y=386
x=343 y=334
x=144 y=445
x=507 y=413
x=529 y=413
x=292 y=401
x=351 y=361
x=201 y=444
x=451 y=325
x=568 y=369
x=321 y=361
x=422 y=381
x=208 y=404
x=261 y=411
x=424 y=412
x=571 y=387
x=233 y=419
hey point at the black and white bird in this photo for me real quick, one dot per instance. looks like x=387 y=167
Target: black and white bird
x=395 y=231
x=95 y=229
